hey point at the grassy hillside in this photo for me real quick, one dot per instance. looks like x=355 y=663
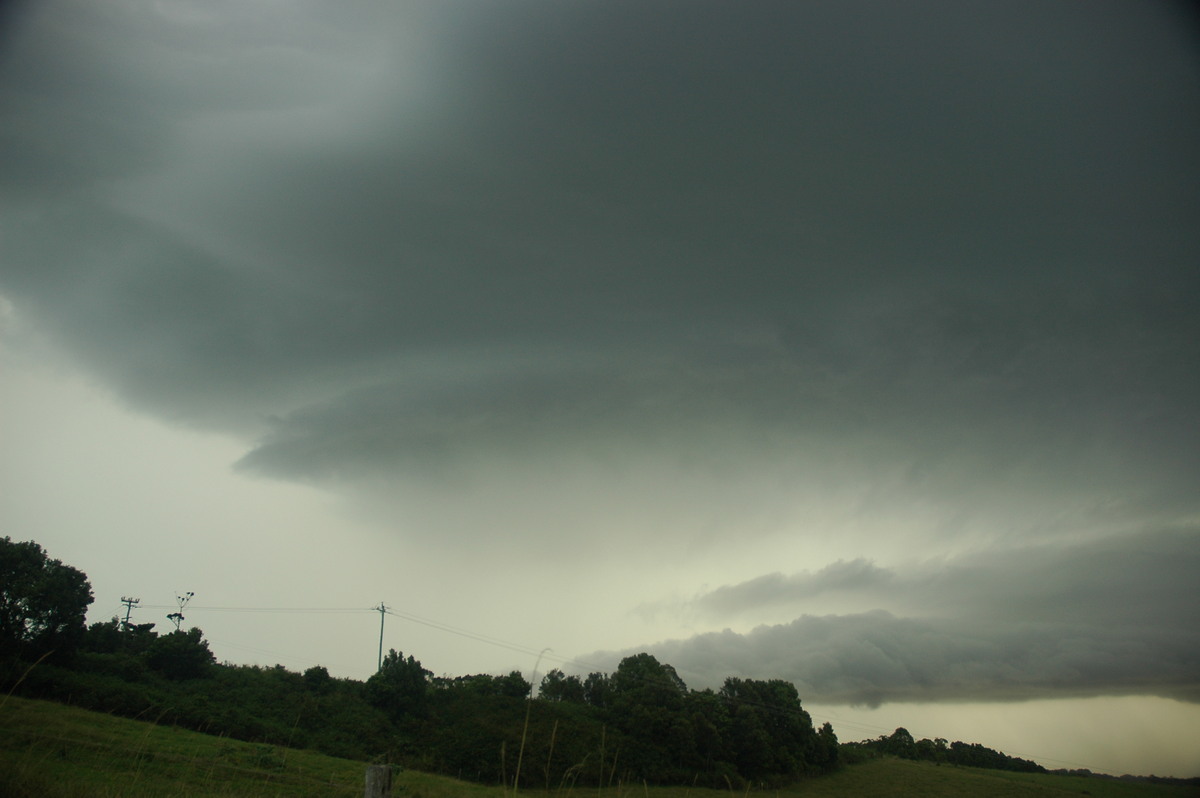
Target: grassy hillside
x=49 y=750
x=53 y=751
x=904 y=778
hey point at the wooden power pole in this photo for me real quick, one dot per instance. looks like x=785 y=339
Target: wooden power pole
x=382 y=610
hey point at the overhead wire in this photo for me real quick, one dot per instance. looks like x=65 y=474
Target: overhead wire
x=482 y=638
x=194 y=608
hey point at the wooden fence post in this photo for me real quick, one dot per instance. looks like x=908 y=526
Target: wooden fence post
x=379 y=781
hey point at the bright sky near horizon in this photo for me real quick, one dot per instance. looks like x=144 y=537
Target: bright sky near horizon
x=853 y=344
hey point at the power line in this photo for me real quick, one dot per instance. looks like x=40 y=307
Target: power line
x=482 y=638
x=193 y=608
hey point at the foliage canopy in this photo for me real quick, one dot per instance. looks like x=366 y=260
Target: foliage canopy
x=43 y=603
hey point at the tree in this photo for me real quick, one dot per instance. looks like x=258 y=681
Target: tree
x=513 y=685
x=557 y=686
x=643 y=673
x=103 y=636
x=932 y=750
x=181 y=655
x=114 y=636
x=646 y=703
x=901 y=744
x=825 y=749
x=771 y=733
x=42 y=602
x=317 y=679
x=710 y=724
x=483 y=684
x=597 y=689
x=401 y=687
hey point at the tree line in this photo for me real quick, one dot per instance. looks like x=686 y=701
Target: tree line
x=900 y=743
x=639 y=723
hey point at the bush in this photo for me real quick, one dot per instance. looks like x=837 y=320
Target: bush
x=181 y=655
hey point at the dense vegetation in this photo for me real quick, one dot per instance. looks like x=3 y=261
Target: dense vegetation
x=648 y=726
x=901 y=744
x=638 y=724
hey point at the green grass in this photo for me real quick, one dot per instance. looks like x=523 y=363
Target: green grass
x=47 y=749
x=898 y=778
x=902 y=778
x=53 y=751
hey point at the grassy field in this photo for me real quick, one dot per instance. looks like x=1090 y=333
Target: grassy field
x=52 y=751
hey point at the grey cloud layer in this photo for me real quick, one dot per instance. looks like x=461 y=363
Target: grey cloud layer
x=1113 y=616
x=1114 y=579
x=876 y=657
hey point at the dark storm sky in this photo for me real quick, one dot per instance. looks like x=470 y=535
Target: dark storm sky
x=896 y=300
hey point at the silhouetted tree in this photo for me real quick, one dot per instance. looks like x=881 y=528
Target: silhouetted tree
x=710 y=720
x=932 y=750
x=400 y=687
x=180 y=655
x=771 y=732
x=646 y=703
x=557 y=686
x=901 y=744
x=825 y=752
x=115 y=637
x=317 y=679
x=597 y=689
x=42 y=602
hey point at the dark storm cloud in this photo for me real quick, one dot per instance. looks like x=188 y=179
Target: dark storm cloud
x=949 y=239
x=1114 y=616
x=958 y=224
x=876 y=657
x=905 y=198
x=887 y=257
x=934 y=229
x=94 y=92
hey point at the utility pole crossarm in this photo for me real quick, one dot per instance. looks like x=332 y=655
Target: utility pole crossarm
x=382 y=613
x=129 y=603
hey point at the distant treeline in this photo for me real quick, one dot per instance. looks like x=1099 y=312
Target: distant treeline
x=901 y=743
x=1085 y=773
